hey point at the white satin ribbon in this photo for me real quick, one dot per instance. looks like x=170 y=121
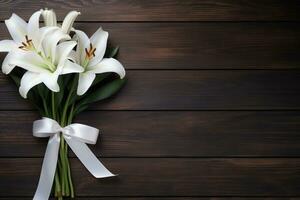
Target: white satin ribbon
x=76 y=135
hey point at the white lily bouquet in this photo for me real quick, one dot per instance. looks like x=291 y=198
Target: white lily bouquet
x=60 y=70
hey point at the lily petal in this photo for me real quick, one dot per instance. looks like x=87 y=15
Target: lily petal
x=50 y=44
x=28 y=60
x=28 y=81
x=109 y=65
x=72 y=56
x=68 y=21
x=99 y=41
x=17 y=28
x=71 y=67
x=43 y=32
x=49 y=17
x=33 y=27
x=50 y=80
x=83 y=42
x=85 y=81
x=7 y=45
x=62 y=52
x=7 y=67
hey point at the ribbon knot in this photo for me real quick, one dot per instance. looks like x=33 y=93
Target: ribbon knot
x=76 y=135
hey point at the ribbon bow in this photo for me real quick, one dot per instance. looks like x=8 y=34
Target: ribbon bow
x=76 y=135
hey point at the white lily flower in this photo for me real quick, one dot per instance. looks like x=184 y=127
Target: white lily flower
x=89 y=54
x=26 y=36
x=42 y=57
x=45 y=67
x=50 y=20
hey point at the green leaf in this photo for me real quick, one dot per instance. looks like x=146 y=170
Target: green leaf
x=114 y=52
x=43 y=91
x=58 y=98
x=16 y=79
x=59 y=95
x=79 y=109
x=72 y=87
x=103 y=92
x=100 y=77
x=34 y=97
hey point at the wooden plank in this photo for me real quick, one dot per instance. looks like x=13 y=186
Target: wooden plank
x=201 y=45
x=168 y=134
x=162 y=10
x=192 y=90
x=170 y=198
x=165 y=177
x=127 y=198
x=133 y=198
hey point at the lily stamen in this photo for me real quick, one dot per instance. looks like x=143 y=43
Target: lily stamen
x=28 y=40
x=28 y=45
x=91 y=52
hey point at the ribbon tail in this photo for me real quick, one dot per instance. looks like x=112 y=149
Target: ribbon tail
x=88 y=159
x=48 y=169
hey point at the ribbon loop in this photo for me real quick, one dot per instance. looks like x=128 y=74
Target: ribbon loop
x=83 y=133
x=76 y=135
x=45 y=127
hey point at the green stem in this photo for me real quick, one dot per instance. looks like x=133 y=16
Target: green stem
x=68 y=164
x=64 y=155
x=53 y=105
x=67 y=169
x=60 y=172
x=67 y=186
x=63 y=166
x=57 y=185
x=71 y=114
x=45 y=107
x=70 y=180
x=64 y=115
x=69 y=190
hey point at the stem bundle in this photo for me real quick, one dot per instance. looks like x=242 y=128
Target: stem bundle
x=63 y=185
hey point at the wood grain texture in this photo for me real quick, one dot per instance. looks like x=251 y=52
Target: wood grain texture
x=168 y=134
x=169 y=198
x=201 y=45
x=161 y=10
x=211 y=109
x=166 y=177
x=187 y=90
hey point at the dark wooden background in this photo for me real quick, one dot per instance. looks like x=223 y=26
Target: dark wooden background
x=211 y=109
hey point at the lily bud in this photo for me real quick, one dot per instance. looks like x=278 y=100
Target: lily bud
x=49 y=17
x=68 y=21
